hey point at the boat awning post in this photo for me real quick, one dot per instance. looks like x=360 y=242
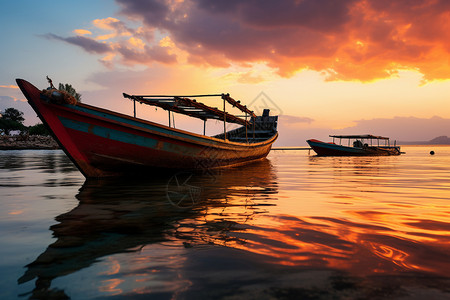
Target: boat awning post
x=204 y=127
x=224 y=121
x=254 y=128
x=173 y=119
x=246 y=136
x=134 y=106
x=169 y=118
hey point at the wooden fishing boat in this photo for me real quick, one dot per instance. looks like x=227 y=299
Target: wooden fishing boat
x=357 y=145
x=103 y=143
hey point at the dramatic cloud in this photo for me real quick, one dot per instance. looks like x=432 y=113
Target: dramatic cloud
x=88 y=44
x=146 y=56
x=347 y=40
x=118 y=42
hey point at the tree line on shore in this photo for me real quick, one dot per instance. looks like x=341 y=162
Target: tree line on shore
x=12 y=120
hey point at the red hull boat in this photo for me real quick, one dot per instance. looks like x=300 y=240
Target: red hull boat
x=103 y=143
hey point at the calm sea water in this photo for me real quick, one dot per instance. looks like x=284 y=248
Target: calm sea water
x=294 y=226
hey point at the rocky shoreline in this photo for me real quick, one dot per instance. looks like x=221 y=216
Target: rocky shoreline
x=27 y=142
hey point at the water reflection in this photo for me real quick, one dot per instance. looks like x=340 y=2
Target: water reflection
x=308 y=228
x=12 y=160
x=49 y=161
x=359 y=248
x=124 y=216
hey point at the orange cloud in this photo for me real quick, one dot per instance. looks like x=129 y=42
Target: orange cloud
x=348 y=40
x=137 y=49
x=361 y=40
x=107 y=23
x=136 y=43
x=82 y=31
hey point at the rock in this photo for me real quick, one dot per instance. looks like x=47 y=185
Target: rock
x=27 y=142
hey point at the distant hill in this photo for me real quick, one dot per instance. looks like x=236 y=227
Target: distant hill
x=440 y=140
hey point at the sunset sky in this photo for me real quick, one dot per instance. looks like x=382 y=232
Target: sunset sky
x=326 y=66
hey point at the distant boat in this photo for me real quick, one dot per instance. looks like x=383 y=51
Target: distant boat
x=103 y=143
x=357 y=145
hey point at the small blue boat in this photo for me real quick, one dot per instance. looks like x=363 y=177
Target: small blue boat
x=357 y=145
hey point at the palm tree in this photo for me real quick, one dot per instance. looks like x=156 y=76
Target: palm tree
x=70 y=90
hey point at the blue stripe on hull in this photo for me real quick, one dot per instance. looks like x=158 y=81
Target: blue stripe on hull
x=128 y=138
x=108 y=133
x=139 y=124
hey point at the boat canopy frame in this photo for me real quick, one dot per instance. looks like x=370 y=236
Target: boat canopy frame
x=187 y=106
x=362 y=138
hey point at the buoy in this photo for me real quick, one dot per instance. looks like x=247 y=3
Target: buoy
x=432 y=152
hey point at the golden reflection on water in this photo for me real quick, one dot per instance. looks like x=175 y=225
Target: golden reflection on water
x=364 y=216
x=391 y=208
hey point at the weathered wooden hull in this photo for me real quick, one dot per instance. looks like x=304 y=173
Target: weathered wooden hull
x=104 y=143
x=330 y=149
